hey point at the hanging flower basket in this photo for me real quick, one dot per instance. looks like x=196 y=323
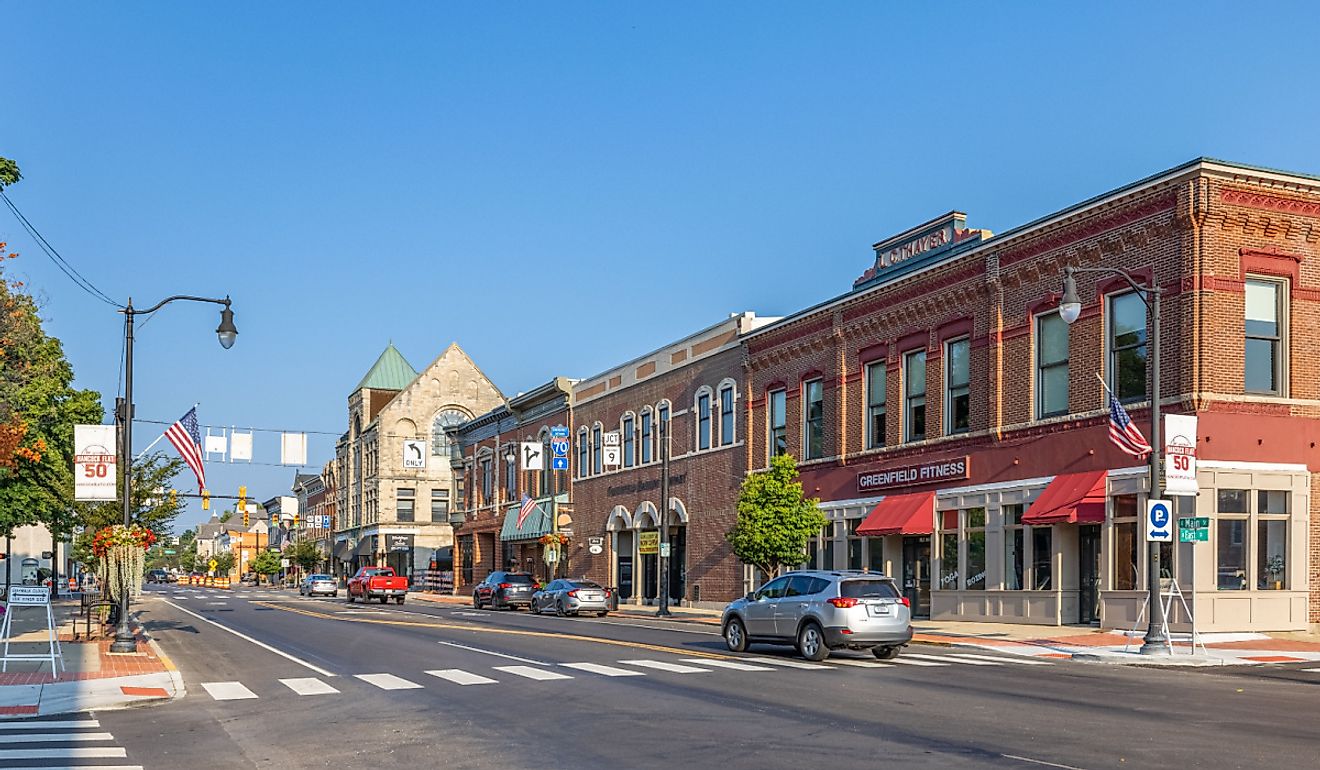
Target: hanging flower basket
x=553 y=540
x=122 y=553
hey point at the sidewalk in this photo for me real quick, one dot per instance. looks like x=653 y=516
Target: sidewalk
x=93 y=677
x=1083 y=643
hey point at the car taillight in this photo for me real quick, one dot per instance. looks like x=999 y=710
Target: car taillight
x=607 y=592
x=506 y=585
x=843 y=602
x=906 y=601
x=573 y=593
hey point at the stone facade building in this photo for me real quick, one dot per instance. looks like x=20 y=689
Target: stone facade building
x=394 y=477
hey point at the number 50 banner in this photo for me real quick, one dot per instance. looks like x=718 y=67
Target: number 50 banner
x=1180 y=455
x=94 y=463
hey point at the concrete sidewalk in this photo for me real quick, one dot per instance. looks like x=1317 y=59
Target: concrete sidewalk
x=1083 y=643
x=92 y=676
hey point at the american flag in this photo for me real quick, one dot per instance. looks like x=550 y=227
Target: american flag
x=1123 y=433
x=527 y=505
x=186 y=437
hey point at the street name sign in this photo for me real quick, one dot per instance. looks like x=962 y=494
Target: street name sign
x=1159 y=521
x=1194 y=529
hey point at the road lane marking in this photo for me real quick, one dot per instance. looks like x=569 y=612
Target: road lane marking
x=57 y=737
x=647 y=626
x=790 y=663
x=388 y=681
x=1018 y=661
x=906 y=660
x=473 y=628
x=309 y=686
x=70 y=752
x=228 y=690
x=1312 y=670
x=945 y=659
x=247 y=638
x=69 y=725
x=496 y=654
x=660 y=665
x=458 y=676
x=527 y=672
x=726 y=663
x=860 y=663
x=596 y=668
x=1039 y=762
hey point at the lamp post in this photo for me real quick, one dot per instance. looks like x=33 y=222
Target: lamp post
x=226 y=333
x=662 y=558
x=1070 y=307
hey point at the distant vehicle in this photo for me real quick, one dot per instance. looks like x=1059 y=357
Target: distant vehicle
x=318 y=584
x=377 y=583
x=158 y=576
x=503 y=589
x=249 y=579
x=572 y=597
x=819 y=611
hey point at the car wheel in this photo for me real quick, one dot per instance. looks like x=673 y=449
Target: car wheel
x=476 y=602
x=885 y=653
x=811 y=642
x=559 y=608
x=602 y=614
x=399 y=600
x=534 y=607
x=735 y=635
x=349 y=597
x=384 y=599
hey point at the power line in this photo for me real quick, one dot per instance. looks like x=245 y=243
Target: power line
x=58 y=260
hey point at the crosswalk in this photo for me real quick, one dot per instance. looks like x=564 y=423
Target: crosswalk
x=67 y=741
x=538 y=671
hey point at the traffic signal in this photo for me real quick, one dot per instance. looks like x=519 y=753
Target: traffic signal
x=295 y=521
x=242 y=505
x=206 y=499
x=174 y=498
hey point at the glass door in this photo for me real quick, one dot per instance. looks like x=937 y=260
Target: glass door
x=1088 y=583
x=916 y=574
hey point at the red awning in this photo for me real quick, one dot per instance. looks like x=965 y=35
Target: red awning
x=1072 y=498
x=901 y=515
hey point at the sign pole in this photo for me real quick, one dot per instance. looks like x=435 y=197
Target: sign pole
x=662 y=558
x=1156 y=639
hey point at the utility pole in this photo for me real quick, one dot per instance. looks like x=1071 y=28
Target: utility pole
x=663 y=556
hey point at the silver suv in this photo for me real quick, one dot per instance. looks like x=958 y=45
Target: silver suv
x=819 y=611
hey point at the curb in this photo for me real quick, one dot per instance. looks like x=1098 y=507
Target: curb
x=176 y=676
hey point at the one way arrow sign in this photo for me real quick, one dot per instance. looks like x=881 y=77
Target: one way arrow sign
x=532 y=457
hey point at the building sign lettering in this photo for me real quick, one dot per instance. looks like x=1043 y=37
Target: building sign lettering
x=907 y=475
x=644 y=486
x=937 y=235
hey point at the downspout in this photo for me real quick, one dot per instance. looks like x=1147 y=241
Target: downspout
x=1194 y=221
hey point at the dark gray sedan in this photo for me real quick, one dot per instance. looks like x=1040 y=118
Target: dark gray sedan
x=572 y=597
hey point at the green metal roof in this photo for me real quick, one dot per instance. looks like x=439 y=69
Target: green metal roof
x=390 y=372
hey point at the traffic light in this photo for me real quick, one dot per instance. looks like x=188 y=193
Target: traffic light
x=174 y=498
x=295 y=521
x=242 y=505
x=206 y=499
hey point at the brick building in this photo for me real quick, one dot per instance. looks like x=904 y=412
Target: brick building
x=694 y=386
x=955 y=427
x=492 y=477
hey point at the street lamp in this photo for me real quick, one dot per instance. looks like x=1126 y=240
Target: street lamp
x=227 y=333
x=1070 y=308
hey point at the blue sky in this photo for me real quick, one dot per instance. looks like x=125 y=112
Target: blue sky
x=561 y=187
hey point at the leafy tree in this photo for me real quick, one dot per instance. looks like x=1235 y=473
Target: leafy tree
x=150 y=508
x=265 y=563
x=305 y=554
x=224 y=563
x=775 y=520
x=226 y=516
x=8 y=172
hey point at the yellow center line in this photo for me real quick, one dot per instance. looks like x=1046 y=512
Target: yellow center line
x=508 y=631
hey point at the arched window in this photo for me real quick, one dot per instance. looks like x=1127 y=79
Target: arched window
x=440 y=438
x=728 y=427
x=647 y=430
x=582 y=453
x=628 y=427
x=701 y=409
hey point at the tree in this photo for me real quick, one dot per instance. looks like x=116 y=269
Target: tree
x=305 y=554
x=150 y=508
x=224 y=562
x=775 y=520
x=8 y=172
x=265 y=563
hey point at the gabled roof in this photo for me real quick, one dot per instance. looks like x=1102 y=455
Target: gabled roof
x=390 y=372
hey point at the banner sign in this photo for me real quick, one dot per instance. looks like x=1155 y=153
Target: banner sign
x=95 y=463
x=648 y=542
x=907 y=475
x=1180 y=455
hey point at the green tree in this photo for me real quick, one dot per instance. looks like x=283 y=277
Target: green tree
x=265 y=563
x=8 y=172
x=150 y=508
x=224 y=562
x=305 y=554
x=775 y=519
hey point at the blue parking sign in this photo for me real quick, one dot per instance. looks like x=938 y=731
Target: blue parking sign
x=1159 y=521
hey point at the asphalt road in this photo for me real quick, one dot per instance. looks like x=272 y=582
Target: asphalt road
x=486 y=689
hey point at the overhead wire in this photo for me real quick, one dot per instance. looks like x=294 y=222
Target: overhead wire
x=57 y=259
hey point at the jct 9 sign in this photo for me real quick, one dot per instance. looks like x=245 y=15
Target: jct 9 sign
x=95 y=470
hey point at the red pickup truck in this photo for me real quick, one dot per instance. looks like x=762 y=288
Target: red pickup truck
x=377 y=583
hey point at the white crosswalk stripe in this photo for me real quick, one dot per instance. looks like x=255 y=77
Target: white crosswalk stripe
x=459 y=676
x=65 y=752
x=61 y=737
x=309 y=686
x=596 y=668
x=65 y=744
x=529 y=672
x=660 y=665
x=1017 y=661
x=730 y=664
x=907 y=660
x=859 y=663
x=788 y=663
x=227 y=690
x=946 y=659
x=1312 y=670
x=49 y=724
x=388 y=681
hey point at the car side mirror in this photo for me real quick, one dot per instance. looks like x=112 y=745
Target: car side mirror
x=751 y=596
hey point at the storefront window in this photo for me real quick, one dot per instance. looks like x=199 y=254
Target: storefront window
x=1231 y=539
x=1272 y=539
x=1126 y=562
x=1013 y=542
x=974 y=532
x=854 y=545
x=875 y=549
x=827 y=553
x=949 y=550
x=1042 y=558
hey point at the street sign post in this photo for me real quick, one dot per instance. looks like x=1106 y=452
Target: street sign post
x=1159 y=521
x=1194 y=529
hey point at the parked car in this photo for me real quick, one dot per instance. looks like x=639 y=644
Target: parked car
x=318 y=584
x=377 y=583
x=572 y=597
x=248 y=579
x=503 y=589
x=819 y=611
x=158 y=576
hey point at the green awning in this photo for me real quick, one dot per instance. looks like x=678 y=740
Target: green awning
x=535 y=525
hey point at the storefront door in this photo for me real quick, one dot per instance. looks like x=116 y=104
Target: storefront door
x=1088 y=598
x=623 y=570
x=649 y=574
x=916 y=574
x=677 y=564
x=465 y=558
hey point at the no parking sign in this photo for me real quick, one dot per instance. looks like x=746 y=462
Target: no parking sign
x=1159 y=521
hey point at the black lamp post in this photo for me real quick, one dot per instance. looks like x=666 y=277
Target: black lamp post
x=662 y=558
x=1070 y=307
x=227 y=333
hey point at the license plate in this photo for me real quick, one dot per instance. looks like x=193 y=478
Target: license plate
x=879 y=609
